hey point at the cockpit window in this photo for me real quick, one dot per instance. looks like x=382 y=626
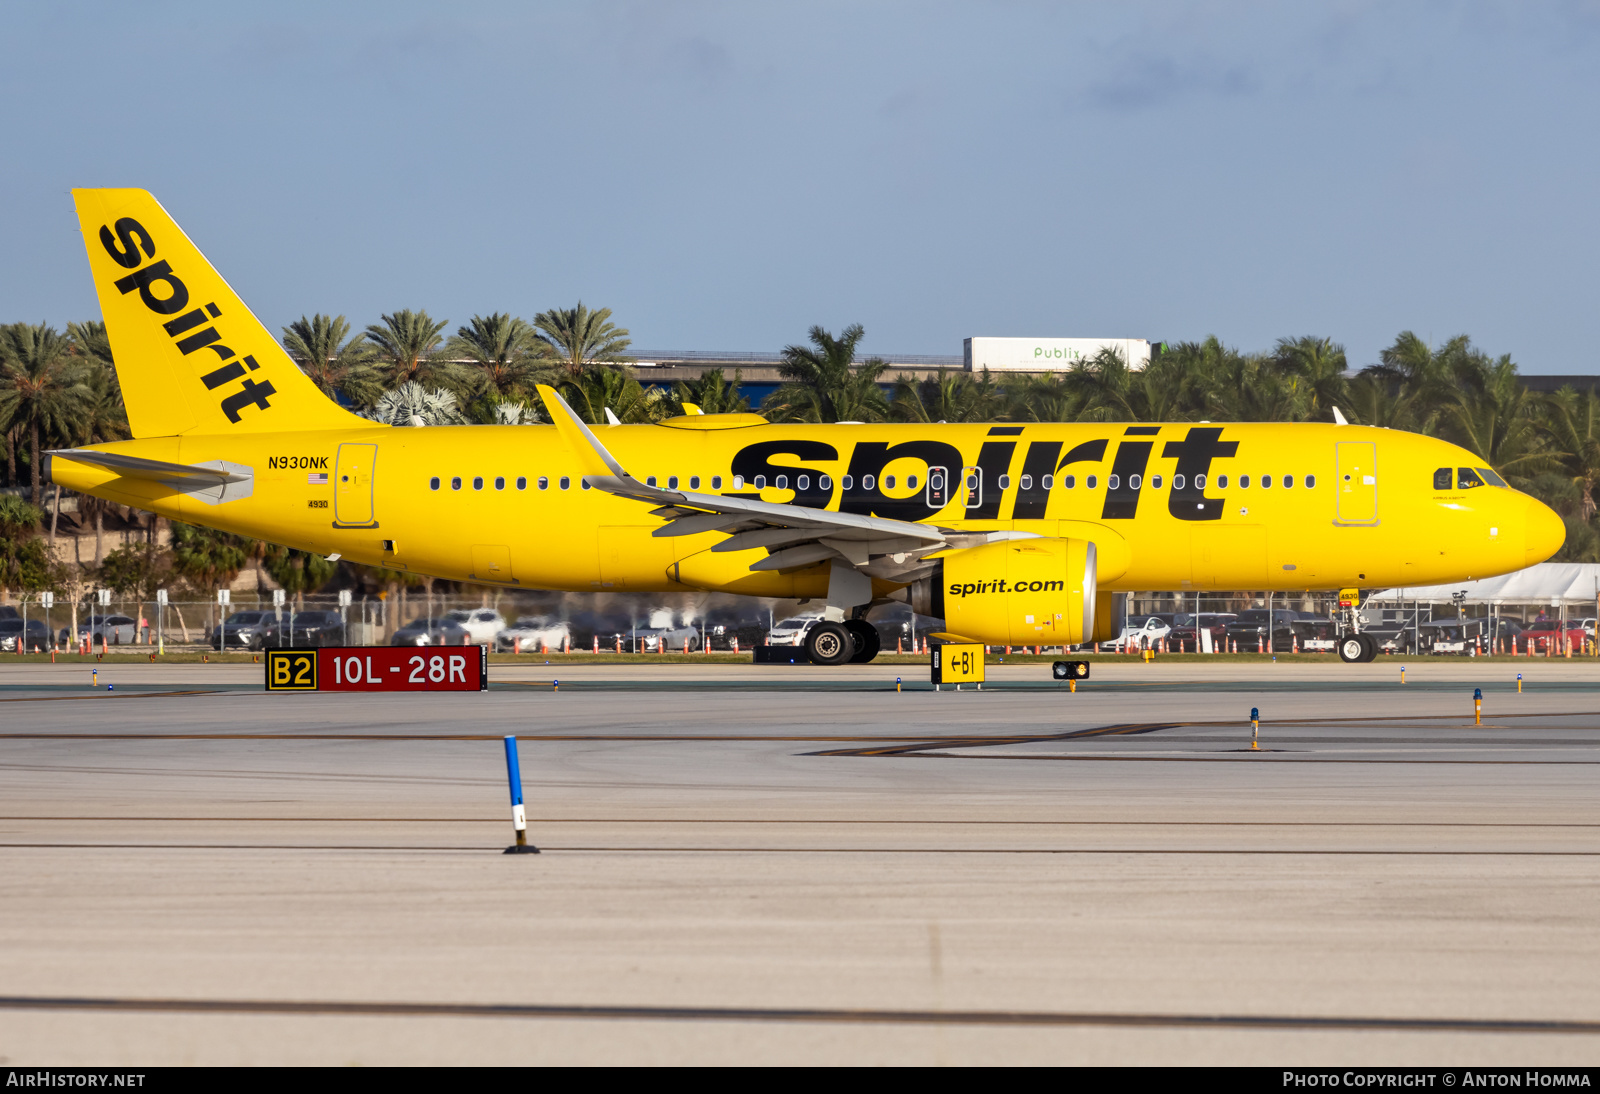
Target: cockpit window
x=1491 y=478
x=1467 y=478
x=1441 y=479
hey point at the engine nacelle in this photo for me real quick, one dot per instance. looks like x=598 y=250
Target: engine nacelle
x=1016 y=592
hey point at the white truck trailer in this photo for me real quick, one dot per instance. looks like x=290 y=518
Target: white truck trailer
x=1047 y=354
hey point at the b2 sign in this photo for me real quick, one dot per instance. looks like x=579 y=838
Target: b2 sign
x=379 y=668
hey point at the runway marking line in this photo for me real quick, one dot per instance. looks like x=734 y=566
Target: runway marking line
x=809 y=1015
x=658 y=850
x=918 y=822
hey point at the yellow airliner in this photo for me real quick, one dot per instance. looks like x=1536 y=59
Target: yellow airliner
x=1013 y=534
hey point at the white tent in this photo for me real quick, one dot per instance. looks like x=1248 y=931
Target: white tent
x=1551 y=583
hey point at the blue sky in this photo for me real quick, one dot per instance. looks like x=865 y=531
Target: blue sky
x=726 y=175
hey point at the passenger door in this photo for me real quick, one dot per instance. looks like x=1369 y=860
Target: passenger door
x=352 y=486
x=1356 y=482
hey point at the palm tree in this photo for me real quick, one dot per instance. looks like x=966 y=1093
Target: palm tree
x=1316 y=368
x=413 y=404
x=24 y=563
x=948 y=397
x=1172 y=388
x=821 y=385
x=298 y=572
x=510 y=357
x=90 y=339
x=713 y=393
x=582 y=337
x=206 y=559
x=336 y=363
x=407 y=343
x=1498 y=418
x=596 y=390
x=1573 y=428
x=41 y=389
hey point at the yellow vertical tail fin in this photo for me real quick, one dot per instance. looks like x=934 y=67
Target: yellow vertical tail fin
x=190 y=356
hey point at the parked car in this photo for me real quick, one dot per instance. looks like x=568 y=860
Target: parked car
x=12 y=631
x=791 y=631
x=1255 y=626
x=533 y=632
x=1186 y=627
x=314 y=628
x=438 y=632
x=482 y=624
x=247 y=631
x=673 y=638
x=1541 y=632
x=119 y=630
x=1140 y=631
x=1316 y=633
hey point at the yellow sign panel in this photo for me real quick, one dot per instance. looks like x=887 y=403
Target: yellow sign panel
x=1349 y=598
x=291 y=670
x=957 y=663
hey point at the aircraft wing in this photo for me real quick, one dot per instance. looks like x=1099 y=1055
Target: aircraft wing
x=795 y=536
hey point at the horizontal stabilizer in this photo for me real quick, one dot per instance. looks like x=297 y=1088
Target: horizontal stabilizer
x=137 y=467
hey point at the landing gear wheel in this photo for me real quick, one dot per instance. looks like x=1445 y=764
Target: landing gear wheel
x=866 y=640
x=1370 y=646
x=1353 y=648
x=829 y=644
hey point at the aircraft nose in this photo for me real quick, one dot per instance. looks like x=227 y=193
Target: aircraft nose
x=1544 y=532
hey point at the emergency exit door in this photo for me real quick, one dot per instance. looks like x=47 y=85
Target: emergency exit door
x=352 y=486
x=1355 y=483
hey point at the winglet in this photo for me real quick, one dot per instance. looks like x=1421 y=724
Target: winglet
x=1338 y=419
x=592 y=455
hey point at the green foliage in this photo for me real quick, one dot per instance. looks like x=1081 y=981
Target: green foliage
x=406 y=346
x=509 y=356
x=599 y=388
x=340 y=366
x=299 y=571
x=821 y=386
x=207 y=558
x=712 y=393
x=42 y=394
x=948 y=397
x=582 y=337
x=24 y=561
x=131 y=571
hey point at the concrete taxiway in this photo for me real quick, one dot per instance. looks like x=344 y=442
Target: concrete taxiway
x=785 y=864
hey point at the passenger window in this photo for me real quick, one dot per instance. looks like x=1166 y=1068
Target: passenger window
x=803 y=482
x=1244 y=482
x=761 y=482
x=433 y=483
x=824 y=483
x=1467 y=478
x=694 y=482
x=499 y=482
x=1005 y=482
x=1266 y=482
x=1091 y=481
x=650 y=480
x=522 y=482
x=1222 y=482
x=1048 y=481
x=477 y=482
x=867 y=482
x=738 y=482
x=584 y=482
x=1441 y=479
x=1134 y=482
x=672 y=482
x=888 y=482
x=1200 y=482
x=544 y=483
x=455 y=483
x=1155 y=482
x=1288 y=482
x=1070 y=481
x=845 y=481
x=1311 y=480
x=1026 y=483
x=911 y=481
x=565 y=483
x=716 y=482
x=1491 y=478
x=1177 y=482
x=783 y=482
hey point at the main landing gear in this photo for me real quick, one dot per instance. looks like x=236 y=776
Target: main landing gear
x=1355 y=648
x=854 y=641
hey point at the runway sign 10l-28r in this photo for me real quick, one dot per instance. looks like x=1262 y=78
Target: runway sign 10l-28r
x=379 y=668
